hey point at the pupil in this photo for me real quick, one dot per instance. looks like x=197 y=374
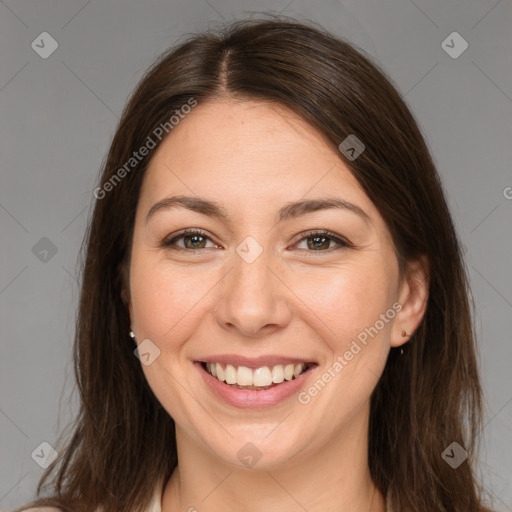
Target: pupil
x=193 y=244
x=316 y=238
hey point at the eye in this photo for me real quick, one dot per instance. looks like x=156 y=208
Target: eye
x=319 y=241
x=192 y=238
x=316 y=241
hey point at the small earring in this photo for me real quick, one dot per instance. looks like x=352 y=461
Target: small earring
x=132 y=335
x=405 y=334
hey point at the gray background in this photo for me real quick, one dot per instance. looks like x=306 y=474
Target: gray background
x=58 y=117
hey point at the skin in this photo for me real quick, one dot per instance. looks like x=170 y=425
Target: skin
x=253 y=158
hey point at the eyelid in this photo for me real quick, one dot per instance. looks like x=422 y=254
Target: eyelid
x=169 y=242
x=340 y=240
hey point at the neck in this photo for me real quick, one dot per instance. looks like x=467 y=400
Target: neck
x=335 y=478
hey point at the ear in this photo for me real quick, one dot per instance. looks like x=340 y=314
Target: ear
x=413 y=297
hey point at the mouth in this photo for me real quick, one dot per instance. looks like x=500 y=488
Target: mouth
x=256 y=379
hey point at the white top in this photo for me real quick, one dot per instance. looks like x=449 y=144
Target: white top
x=156 y=503
x=154 y=506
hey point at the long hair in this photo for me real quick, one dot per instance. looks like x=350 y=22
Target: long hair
x=123 y=441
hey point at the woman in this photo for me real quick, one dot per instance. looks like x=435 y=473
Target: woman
x=271 y=232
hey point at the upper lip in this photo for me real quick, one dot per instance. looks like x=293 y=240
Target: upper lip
x=254 y=362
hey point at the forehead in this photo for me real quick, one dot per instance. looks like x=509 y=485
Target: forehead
x=235 y=130
x=252 y=151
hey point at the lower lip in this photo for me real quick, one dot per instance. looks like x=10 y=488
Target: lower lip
x=251 y=398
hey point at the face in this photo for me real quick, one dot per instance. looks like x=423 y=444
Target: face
x=298 y=321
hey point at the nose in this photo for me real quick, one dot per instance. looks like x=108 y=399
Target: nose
x=254 y=300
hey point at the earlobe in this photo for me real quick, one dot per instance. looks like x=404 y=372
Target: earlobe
x=413 y=297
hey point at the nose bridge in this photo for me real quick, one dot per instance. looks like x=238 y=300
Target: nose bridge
x=253 y=297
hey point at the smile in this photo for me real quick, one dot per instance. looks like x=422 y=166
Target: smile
x=262 y=378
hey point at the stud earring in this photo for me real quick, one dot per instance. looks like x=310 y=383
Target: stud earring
x=132 y=335
x=404 y=334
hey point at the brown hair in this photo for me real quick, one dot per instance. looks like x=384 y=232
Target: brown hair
x=123 y=440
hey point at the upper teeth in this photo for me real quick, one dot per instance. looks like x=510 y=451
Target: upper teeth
x=263 y=376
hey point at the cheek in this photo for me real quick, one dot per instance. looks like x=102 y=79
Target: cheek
x=166 y=309
x=342 y=304
x=166 y=301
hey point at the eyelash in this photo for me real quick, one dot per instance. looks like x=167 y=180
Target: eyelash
x=170 y=242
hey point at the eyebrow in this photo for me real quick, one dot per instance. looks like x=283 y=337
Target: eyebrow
x=289 y=211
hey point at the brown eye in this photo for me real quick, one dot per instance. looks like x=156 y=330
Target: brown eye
x=318 y=242
x=321 y=241
x=192 y=239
